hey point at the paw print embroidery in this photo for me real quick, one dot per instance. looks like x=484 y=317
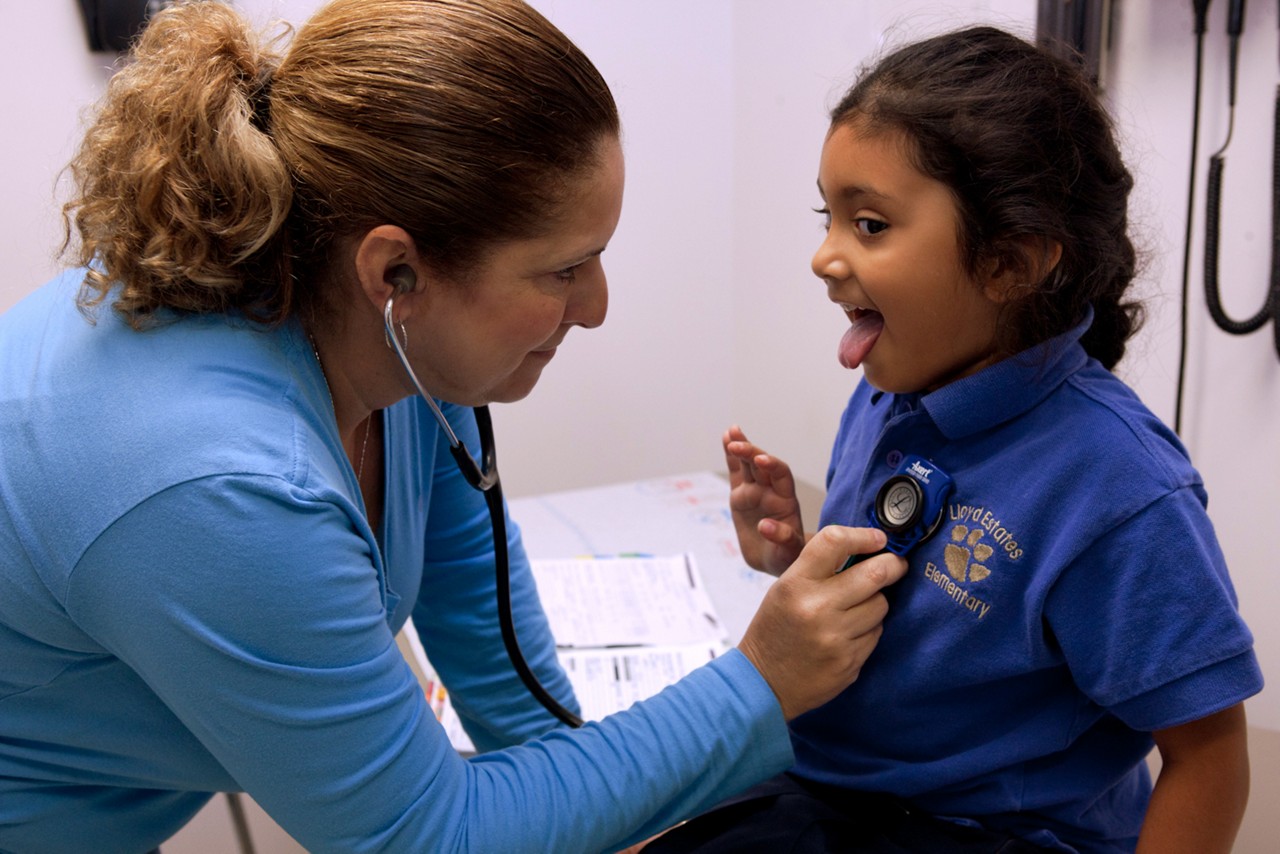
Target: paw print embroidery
x=967 y=563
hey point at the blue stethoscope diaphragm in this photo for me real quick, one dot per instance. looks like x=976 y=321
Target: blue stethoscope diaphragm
x=909 y=506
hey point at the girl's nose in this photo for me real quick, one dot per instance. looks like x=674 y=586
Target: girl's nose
x=828 y=263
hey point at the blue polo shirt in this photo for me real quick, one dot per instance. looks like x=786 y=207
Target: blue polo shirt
x=1073 y=600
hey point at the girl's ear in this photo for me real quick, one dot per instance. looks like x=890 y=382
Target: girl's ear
x=1034 y=259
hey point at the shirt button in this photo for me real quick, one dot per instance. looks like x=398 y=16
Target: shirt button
x=893 y=458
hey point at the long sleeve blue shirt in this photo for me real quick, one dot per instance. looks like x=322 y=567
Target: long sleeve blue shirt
x=192 y=601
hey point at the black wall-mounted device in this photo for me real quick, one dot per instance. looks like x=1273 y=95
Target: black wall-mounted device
x=112 y=25
x=1080 y=29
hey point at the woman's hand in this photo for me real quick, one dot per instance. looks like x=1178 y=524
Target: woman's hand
x=762 y=496
x=815 y=628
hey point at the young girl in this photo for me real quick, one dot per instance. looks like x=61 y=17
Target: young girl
x=1074 y=607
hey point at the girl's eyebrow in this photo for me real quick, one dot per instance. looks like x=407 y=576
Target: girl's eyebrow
x=855 y=191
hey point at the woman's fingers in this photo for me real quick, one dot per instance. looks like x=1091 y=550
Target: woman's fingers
x=815 y=628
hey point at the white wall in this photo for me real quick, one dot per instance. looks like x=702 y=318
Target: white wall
x=1232 y=404
x=649 y=392
x=715 y=317
x=50 y=76
x=789 y=70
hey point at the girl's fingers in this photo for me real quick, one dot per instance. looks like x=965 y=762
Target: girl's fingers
x=778 y=533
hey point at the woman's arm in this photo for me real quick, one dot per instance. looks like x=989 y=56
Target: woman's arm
x=252 y=609
x=1200 y=795
x=253 y=612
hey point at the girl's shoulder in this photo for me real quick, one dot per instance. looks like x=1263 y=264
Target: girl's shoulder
x=1101 y=411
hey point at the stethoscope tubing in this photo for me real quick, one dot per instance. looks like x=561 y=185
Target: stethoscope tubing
x=485 y=479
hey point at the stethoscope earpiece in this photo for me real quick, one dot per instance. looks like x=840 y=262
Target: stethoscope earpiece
x=402 y=278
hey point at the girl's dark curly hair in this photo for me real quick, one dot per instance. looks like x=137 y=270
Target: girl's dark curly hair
x=1027 y=149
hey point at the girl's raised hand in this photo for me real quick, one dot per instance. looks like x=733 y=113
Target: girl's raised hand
x=766 y=512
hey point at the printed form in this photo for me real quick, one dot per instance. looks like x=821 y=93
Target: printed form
x=625 y=628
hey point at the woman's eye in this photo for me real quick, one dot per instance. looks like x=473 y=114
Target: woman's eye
x=825 y=213
x=568 y=274
x=868 y=227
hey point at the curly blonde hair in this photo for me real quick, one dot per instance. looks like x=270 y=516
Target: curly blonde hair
x=220 y=174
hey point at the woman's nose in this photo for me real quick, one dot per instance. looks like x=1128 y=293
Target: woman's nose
x=590 y=300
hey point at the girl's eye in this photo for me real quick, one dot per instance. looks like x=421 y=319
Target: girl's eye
x=825 y=213
x=869 y=227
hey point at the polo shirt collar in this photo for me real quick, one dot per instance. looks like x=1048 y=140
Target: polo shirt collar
x=1008 y=388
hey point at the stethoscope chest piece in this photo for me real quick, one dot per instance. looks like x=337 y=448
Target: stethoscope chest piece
x=899 y=504
x=909 y=506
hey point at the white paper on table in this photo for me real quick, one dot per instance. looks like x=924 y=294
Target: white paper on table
x=625 y=628
x=626 y=601
x=611 y=680
x=665 y=515
x=608 y=680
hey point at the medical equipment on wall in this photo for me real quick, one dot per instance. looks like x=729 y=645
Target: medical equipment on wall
x=1270 y=309
x=1079 y=30
x=111 y=25
x=1213 y=206
x=483 y=476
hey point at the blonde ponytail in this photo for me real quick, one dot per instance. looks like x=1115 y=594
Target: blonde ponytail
x=181 y=194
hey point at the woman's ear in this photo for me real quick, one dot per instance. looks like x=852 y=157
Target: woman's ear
x=1035 y=258
x=387 y=265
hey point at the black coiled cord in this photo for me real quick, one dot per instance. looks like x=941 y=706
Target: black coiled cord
x=1213 y=209
x=1213 y=213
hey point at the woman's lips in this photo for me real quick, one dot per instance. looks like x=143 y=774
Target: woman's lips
x=542 y=355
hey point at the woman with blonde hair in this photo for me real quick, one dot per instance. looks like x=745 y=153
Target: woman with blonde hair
x=226 y=481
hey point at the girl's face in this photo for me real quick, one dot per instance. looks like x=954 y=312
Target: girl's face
x=488 y=338
x=891 y=259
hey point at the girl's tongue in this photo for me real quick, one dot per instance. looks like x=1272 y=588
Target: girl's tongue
x=860 y=338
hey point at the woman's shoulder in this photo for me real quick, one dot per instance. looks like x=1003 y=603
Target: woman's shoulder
x=105 y=416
